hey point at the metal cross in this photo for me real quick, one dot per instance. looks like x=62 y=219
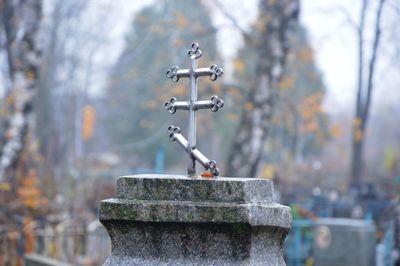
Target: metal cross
x=192 y=106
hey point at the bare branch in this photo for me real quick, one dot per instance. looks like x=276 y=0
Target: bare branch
x=372 y=63
x=233 y=20
x=343 y=11
x=360 y=32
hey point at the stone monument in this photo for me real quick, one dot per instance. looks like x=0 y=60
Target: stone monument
x=194 y=220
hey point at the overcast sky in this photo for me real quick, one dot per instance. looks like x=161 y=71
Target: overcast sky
x=331 y=36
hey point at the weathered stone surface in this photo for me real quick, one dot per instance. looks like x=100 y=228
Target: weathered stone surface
x=37 y=260
x=182 y=188
x=346 y=242
x=175 y=220
x=194 y=244
x=271 y=214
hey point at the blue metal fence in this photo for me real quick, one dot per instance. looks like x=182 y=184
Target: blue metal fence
x=298 y=244
x=388 y=241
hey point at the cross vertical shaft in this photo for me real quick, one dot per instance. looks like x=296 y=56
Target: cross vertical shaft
x=192 y=117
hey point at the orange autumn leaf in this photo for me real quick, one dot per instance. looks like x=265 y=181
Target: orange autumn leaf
x=239 y=66
x=336 y=131
x=180 y=21
x=306 y=54
x=179 y=90
x=286 y=83
x=248 y=106
x=358 y=135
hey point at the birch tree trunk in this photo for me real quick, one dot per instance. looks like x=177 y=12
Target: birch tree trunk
x=273 y=26
x=20 y=19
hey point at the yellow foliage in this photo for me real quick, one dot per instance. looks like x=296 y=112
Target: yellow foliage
x=312 y=76
x=306 y=54
x=310 y=127
x=357 y=122
x=286 y=83
x=156 y=29
x=142 y=19
x=239 y=66
x=10 y=99
x=179 y=42
x=262 y=23
x=248 y=106
x=29 y=235
x=233 y=117
x=89 y=118
x=390 y=158
x=336 y=131
x=30 y=181
x=179 y=90
x=29 y=192
x=5 y=186
x=358 y=135
x=180 y=21
x=216 y=88
x=235 y=93
x=268 y=171
x=30 y=75
x=311 y=106
x=149 y=105
x=310 y=262
x=198 y=28
x=259 y=26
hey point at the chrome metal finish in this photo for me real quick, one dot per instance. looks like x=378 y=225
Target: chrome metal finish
x=173 y=73
x=172 y=105
x=194 y=51
x=192 y=110
x=200 y=157
x=203 y=104
x=192 y=106
x=215 y=72
x=214 y=104
x=183 y=73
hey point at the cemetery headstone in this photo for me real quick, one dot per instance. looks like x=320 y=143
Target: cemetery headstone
x=346 y=242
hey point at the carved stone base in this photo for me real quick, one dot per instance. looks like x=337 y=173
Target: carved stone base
x=175 y=220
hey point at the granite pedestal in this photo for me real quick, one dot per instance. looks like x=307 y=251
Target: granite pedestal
x=176 y=220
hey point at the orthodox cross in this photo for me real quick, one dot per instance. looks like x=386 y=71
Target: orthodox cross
x=192 y=106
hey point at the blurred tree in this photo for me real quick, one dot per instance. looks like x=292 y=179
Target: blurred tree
x=159 y=38
x=30 y=194
x=271 y=40
x=365 y=86
x=55 y=102
x=20 y=24
x=299 y=123
x=72 y=68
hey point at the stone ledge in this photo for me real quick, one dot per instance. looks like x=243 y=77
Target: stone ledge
x=182 y=188
x=271 y=214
